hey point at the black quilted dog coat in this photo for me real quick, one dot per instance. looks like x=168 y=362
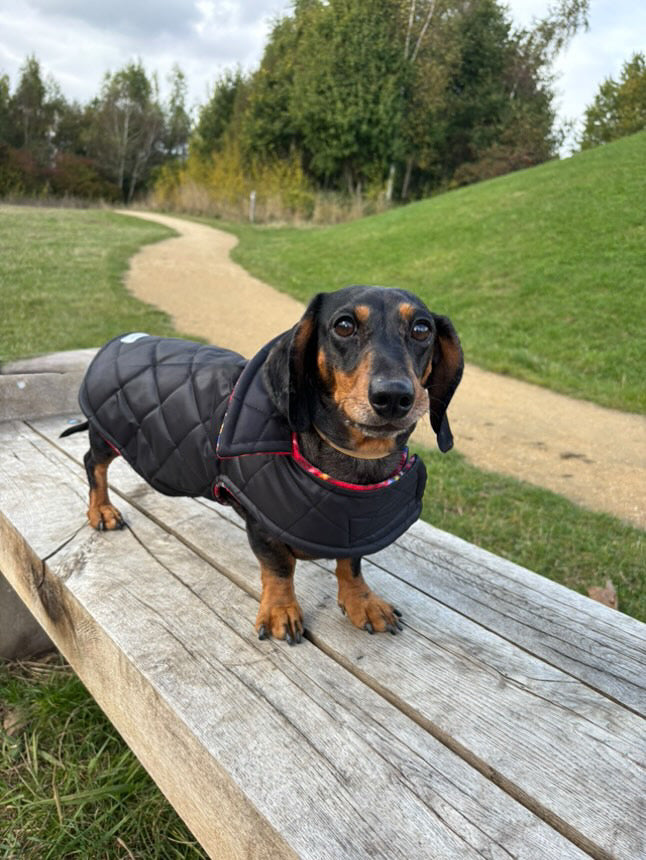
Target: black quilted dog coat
x=196 y=420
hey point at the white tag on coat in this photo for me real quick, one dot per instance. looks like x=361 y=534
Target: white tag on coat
x=131 y=338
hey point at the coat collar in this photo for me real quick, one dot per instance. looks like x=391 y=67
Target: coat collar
x=251 y=424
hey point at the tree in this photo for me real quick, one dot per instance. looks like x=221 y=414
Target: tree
x=5 y=109
x=360 y=90
x=72 y=128
x=32 y=113
x=619 y=107
x=266 y=120
x=427 y=46
x=127 y=135
x=346 y=99
x=481 y=101
x=178 y=121
x=216 y=116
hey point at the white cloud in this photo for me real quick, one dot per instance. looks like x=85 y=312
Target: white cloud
x=78 y=41
x=143 y=18
x=617 y=31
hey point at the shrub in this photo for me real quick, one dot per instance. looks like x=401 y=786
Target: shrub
x=69 y=176
x=220 y=185
x=73 y=175
x=19 y=173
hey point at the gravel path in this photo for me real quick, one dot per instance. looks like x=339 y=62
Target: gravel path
x=591 y=455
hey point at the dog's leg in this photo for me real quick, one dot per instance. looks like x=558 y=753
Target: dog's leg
x=360 y=604
x=279 y=614
x=101 y=513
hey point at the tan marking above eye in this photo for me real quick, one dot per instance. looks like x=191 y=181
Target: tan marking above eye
x=362 y=312
x=406 y=311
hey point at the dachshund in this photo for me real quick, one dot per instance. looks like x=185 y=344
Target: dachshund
x=347 y=384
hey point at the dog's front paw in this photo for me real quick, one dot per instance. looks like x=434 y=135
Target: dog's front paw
x=105 y=517
x=280 y=621
x=368 y=611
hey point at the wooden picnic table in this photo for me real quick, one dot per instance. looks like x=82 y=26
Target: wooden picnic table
x=505 y=721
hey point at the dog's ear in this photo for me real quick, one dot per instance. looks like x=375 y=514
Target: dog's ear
x=288 y=368
x=444 y=377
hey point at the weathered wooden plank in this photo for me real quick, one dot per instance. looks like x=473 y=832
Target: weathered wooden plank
x=51 y=362
x=597 y=645
x=201 y=791
x=20 y=634
x=571 y=754
x=325 y=765
x=592 y=643
x=589 y=641
x=34 y=394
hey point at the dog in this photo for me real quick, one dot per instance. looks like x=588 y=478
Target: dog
x=307 y=440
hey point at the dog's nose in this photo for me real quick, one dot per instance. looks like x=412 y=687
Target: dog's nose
x=391 y=398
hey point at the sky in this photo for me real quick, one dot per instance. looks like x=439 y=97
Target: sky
x=77 y=41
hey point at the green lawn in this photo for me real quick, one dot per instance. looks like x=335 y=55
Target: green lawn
x=69 y=786
x=542 y=271
x=61 y=279
x=536 y=528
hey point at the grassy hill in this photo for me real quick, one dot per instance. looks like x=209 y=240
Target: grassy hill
x=542 y=271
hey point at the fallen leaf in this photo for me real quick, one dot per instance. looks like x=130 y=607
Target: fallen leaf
x=606 y=594
x=13 y=722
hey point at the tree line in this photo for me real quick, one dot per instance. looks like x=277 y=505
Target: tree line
x=106 y=149
x=403 y=94
x=619 y=107
x=391 y=97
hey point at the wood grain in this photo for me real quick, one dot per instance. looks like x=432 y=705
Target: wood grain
x=34 y=394
x=570 y=753
x=263 y=750
x=589 y=641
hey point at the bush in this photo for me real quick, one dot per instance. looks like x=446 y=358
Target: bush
x=219 y=186
x=69 y=176
x=498 y=160
x=19 y=173
x=75 y=176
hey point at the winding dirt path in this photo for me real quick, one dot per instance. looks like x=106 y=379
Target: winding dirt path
x=591 y=455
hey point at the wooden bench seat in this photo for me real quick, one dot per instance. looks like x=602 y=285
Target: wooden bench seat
x=506 y=721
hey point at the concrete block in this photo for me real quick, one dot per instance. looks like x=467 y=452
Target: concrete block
x=20 y=634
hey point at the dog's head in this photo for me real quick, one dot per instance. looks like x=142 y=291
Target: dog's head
x=363 y=365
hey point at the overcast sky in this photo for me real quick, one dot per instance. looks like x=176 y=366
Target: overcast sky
x=76 y=41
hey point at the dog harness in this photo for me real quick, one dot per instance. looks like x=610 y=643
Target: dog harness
x=197 y=420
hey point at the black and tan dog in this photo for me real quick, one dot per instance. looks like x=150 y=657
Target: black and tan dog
x=311 y=436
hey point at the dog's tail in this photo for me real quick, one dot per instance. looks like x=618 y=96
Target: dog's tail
x=77 y=428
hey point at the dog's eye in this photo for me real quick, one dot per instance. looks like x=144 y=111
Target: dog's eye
x=345 y=326
x=421 y=330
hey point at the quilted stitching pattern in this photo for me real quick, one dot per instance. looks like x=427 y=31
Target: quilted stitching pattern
x=162 y=401
x=251 y=424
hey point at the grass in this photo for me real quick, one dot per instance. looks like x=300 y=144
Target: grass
x=536 y=528
x=61 y=279
x=69 y=786
x=542 y=271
